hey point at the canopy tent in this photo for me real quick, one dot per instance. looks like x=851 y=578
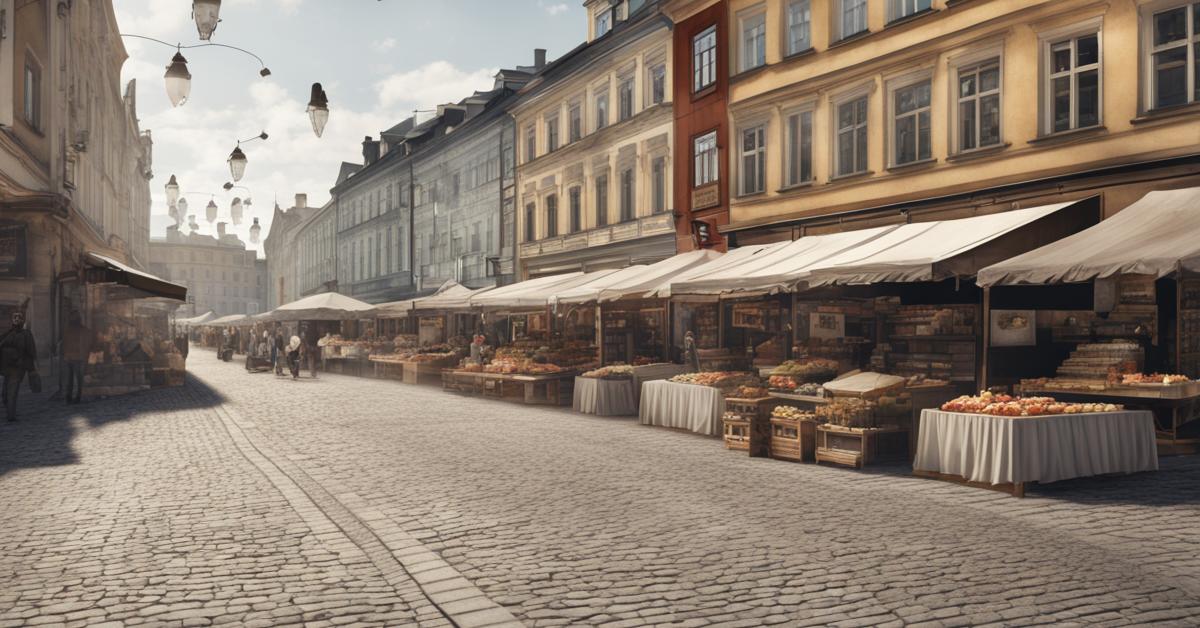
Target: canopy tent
x=196 y=320
x=636 y=280
x=117 y=272
x=730 y=260
x=456 y=297
x=232 y=319
x=534 y=293
x=1157 y=235
x=401 y=309
x=327 y=306
x=932 y=251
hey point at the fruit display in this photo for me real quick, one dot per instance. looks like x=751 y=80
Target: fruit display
x=513 y=366
x=815 y=370
x=1153 y=378
x=811 y=389
x=792 y=413
x=848 y=412
x=726 y=381
x=570 y=354
x=750 y=392
x=1009 y=406
x=613 y=371
x=783 y=382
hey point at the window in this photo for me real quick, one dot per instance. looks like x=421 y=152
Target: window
x=799 y=26
x=753 y=160
x=1174 y=56
x=551 y=134
x=33 y=94
x=576 y=208
x=1073 y=83
x=475 y=236
x=627 y=195
x=754 y=40
x=625 y=99
x=899 y=9
x=851 y=16
x=575 y=121
x=798 y=144
x=601 y=200
x=551 y=216
x=979 y=105
x=530 y=210
x=658 y=84
x=910 y=123
x=658 y=185
x=530 y=143
x=704 y=156
x=604 y=21
x=704 y=59
x=602 y=110
x=852 y=137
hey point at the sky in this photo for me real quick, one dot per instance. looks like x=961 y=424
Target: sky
x=378 y=60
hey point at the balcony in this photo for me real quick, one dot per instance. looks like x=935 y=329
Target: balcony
x=645 y=226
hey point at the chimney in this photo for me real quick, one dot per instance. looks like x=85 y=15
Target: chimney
x=370 y=151
x=539 y=58
x=301 y=200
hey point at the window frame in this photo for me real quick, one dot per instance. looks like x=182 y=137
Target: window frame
x=550 y=211
x=601 y=191
x=530 y=222
x=658 y=184
x=574 y=114
x=627 y=194
x=835 y=110
x=975 y=63
x=657 y=87
x=894 y=87
x=757 y=13
x=530 y=143
x=551 y=123
x=1046 y=43
x=896 y=13
x=704 y=60
x=33 y=101
x=603 y=16
x=602 y=112
x=626 y=91
x=839 y=23
x=714 y=163
x=759 y=154
x=810 y=110
x=1147 y=49
x=788 y=26
x=575 y=207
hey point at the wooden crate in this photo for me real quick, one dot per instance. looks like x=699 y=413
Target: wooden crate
x=860 y=446
x=737 y=433
x=793 y=439
x=758 y=413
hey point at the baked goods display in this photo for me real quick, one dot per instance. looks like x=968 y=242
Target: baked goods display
x=1131 y=379
x=1009 y=406
x=749 y=392
x=515 y=366
x=848 y=412
x=802 y=371
x=792 y=413
x=612 y=371
x=726 y=381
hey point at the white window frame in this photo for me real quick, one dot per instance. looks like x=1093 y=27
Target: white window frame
x=752 y=31
x=603 y=17
x=656 y=78
x=530 y=221
x=601 y=183
x=839 y=12
x=974 y=61
x=810 y=110
x=626 y=81
x=900 y=9
x=576 y=107
x=575 y=217
x=712 y=160
x=704 y=60
x=758 y=153
x=1046 y=41
x=530 y=146
x=1148 y=49
x=602 y=120
x=835 y=107
x=893 y=88
x=627 y=205
x=789 y=26
x=550 y=214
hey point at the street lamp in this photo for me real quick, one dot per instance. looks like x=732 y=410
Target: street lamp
x=318 y=109
x=255 y=230
x=172 y=191
x=210 y=211
x=182 y=205
x=235 y=211
x=237 y=159
x=207 y=14
x=178 y=80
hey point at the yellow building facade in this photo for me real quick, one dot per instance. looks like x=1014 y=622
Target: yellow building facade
x=849 y=113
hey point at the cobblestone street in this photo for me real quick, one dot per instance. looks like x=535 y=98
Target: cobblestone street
x=251 y=500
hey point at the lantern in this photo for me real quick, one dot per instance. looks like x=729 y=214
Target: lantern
x=210 y=212
x=237 y=164
x=172 y=192
x=235 y=211
x=178 y=80
x=182 y=205
x=255 y=230
x=207 y=14
x=318 y=109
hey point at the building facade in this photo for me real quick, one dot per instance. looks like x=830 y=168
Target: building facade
x=220 y=274
x=283 y=267
x=594 y=143
x=316 y=252
x=854 y=113
x=74 y=164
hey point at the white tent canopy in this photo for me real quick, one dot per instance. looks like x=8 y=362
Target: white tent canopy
x=732 y=259
x=456 y=297
x=327 y=306
x=232 y=319
x=1157 y=235
x=196 y=320
x=401 y=309
x=636 y=284
x=591 y=290
x=535 y=293
x=911 y=252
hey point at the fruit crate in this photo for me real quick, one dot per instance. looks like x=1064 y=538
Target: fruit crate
x=793 y=439
x=757 y=412
x=860 y=446
x=737 y=432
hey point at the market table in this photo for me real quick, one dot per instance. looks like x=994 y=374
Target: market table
x=1174 y=405
x=605 y=397
x=547 y=388
x=651 y=372
x=683 y=406
x=1010 y=451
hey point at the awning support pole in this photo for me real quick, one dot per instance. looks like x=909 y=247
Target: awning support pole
x=987 y=341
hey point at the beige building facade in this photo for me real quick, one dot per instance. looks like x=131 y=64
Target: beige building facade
x=860 y=112
x=594 y=136
x=220 y=274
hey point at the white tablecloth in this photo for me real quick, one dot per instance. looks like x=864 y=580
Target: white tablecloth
x=999 y=450
x=685 y=406
x=605 y=397
x=651 y=372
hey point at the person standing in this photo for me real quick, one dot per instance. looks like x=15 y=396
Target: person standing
x=18 y=356
x=311 y=349
x=293 y=356
x=691 y=353
x=278 y=351
x=76 y=344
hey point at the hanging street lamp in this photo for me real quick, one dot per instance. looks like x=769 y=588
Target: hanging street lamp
x=318 y=109
x=237 y=164
x=255 y=230
x=206 y=13
x=210 y=212
x=182 y=206
x=235 y=211
x=172 y=191
x=178 y=80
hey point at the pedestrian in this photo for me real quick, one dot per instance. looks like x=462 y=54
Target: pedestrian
x=293 y=356
x=691 y=354
x=277 y=351
x=76 y=344
x=311 y=350
x=18 y=356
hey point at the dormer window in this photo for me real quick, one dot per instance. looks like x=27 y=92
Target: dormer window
x=604 y=21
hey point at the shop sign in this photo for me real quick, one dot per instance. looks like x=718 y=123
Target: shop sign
x=14 y=261
x=705 y=197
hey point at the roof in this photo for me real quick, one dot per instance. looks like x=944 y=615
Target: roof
x=1157 y=235
x=347 y=170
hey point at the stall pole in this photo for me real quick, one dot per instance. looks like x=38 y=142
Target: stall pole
x=1179 y=320
x=986 y=320
x=598 y=328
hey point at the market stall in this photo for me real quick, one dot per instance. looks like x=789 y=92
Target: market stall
x=692 y=401
x=343 y=325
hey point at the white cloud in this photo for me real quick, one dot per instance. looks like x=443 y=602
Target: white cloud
x=431 y=85
x=383 y=45
x=555 y=9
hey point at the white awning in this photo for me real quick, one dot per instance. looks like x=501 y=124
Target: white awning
x=665 y=288
x=913 y=252
x=401 y=309
x=457 y=297
x=326 y=306
x=1157 y=235
x=227 y=320
x=196 y=320
x=534 y=293
x=635 y=280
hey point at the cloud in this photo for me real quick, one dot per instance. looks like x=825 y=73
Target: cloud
x=555 y=9
x=433 y=84
x=383 y=45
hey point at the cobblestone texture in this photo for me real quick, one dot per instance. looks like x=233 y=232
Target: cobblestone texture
x=145 y=510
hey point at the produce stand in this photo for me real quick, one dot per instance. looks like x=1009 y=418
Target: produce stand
x=793 y=434
x=690 y=407
x=859 y=446
x=548 y=389
x=1005 y=453
x=1172 y=405
x=747 y=425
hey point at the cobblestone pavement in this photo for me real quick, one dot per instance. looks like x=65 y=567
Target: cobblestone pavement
x=396 y=500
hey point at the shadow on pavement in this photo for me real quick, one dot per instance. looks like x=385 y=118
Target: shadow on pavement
x=46 y=428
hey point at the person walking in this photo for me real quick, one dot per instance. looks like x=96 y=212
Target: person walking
x=311 y=350
x=18 y=356
x=76 y=343
x=293 y=356
x=277 y=351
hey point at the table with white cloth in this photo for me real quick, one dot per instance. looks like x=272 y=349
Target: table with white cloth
x=683 y=406
x=651 y=372
x=1010 y=451
x=605 y=397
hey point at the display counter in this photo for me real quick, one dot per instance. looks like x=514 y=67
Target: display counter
x=1008 y=452
x=546 y=389
x=1172 y=405
x=605 y=397
x=689 y=407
